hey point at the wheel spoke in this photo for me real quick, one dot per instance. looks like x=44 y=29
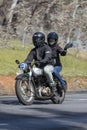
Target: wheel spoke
x=24 y=92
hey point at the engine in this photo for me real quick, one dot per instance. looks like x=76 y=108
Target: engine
x=44 y=91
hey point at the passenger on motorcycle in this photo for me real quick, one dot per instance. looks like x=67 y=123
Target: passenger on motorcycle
x=42 y=53
x=52 y=40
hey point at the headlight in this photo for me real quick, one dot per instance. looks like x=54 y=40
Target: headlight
x=23 y=66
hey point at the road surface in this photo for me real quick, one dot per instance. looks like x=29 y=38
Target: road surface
x=44 y=115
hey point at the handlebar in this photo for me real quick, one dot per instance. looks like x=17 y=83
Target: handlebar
x=28 y=63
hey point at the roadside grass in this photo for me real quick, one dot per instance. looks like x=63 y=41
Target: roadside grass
x=82 y=54
x=71 y=65
x=8 y=57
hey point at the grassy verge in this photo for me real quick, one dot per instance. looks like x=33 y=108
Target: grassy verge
x=71 y=65
x=8 y=57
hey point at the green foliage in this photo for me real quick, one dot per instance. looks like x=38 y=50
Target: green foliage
x=8 y=57
x=71 y=65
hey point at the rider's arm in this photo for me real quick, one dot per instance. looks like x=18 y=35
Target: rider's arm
x=30 y=56
x=48 y=54
x=61 y=51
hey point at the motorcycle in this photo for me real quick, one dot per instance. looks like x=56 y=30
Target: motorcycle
x=31 y=84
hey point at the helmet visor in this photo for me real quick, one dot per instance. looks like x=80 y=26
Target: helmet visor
x=38 y=42
x=51 y=42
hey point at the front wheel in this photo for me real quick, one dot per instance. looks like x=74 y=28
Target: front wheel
x=24 y=92
x=59 y=96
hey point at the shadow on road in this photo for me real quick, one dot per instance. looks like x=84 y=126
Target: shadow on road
x=16 y=102
x=62 y=120
x=10 y=102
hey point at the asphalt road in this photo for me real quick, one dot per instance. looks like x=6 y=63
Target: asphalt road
x=44 y=115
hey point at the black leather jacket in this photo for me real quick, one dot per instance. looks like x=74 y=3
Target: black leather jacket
x=42 y=53
x=56 y=52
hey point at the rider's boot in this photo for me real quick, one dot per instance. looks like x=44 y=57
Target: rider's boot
x=64 y=86
x=53 y=89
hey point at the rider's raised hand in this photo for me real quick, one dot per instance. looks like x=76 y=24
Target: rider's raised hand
x=68 y=45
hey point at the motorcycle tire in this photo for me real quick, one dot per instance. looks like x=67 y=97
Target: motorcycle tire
x=59 y=97
x=25 y=93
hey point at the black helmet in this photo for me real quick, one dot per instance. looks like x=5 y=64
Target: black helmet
x=38 y=39
x=52 y=38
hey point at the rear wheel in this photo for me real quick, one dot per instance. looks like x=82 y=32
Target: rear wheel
x=24 y=92
x=59 y=96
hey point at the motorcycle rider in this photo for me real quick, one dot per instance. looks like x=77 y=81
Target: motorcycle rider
x=52 y=39
x=42 y=53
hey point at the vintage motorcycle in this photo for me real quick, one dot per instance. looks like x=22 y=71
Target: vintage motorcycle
x=31 y=84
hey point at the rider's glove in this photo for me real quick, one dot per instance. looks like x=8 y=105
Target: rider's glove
x=23 y=66
x=69 y=45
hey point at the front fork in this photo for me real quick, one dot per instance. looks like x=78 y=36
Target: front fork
x=30 y=82
x=30 y=77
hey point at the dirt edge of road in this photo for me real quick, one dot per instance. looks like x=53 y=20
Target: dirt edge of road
x=7 y=84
